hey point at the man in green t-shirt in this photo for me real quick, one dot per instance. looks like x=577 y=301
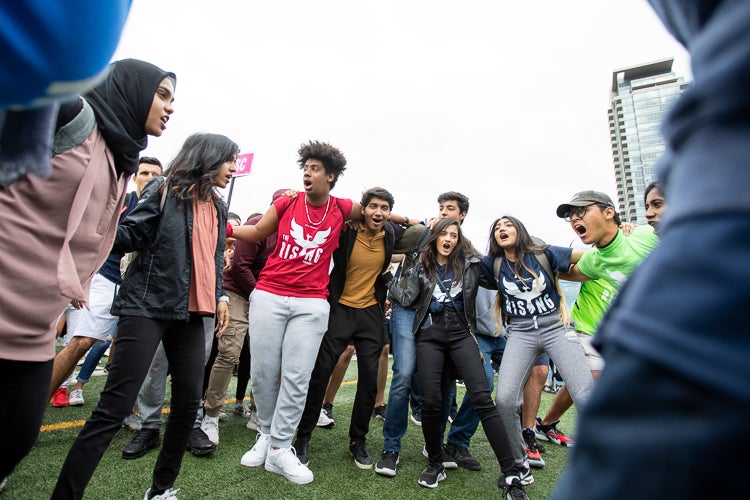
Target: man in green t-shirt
x=603 y=270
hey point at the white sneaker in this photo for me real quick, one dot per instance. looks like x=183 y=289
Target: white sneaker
x=210 y=426
x=170 y=494
x=284 y=461
x=76 y=398
x=324 y=420
x=257 y=455
x=223 y=417
x=253 y=424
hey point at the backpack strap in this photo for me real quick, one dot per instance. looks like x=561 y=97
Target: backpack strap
x=73 y=133
x=543 y=260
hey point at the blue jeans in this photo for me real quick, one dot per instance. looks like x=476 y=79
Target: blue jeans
x=92 y=360
x=404 y=353
x=466 y=422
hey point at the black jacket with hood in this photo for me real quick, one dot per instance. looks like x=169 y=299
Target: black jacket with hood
x=157 y=283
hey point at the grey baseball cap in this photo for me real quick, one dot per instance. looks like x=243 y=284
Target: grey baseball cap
x=583 y=199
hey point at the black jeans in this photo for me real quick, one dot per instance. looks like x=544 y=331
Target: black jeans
x=446 y=350
x=23 y=398
x=137 y=339
x=363 y=327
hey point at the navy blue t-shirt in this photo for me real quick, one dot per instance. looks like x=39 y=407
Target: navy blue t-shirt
x=111 y=267
x=525 y=295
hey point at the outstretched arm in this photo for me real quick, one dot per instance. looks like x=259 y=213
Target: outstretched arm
x=573 y=274
x=265 y=226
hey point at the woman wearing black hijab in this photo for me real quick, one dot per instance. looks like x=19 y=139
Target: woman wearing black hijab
x=126 y=108
x=56 y=232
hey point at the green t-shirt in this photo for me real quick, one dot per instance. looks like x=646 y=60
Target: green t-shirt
x=615 y=262
x=592 y=302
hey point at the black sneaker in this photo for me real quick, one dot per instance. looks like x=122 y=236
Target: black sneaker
x=416 y=418
x=301 y=445
x=513 y=488
x=199 y=444
x=532 y=449
x=328 y=409
x=529 y=434
x=379 y=412
x=448 y=461
x=362 y=458
x=432 y=475
x=462 y=457
x=387 y=464
x=143 y=441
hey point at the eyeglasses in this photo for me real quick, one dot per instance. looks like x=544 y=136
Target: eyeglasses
x=579 y=212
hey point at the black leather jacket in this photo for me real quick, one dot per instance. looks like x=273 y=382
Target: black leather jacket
x=157 y=282
x=421 y=286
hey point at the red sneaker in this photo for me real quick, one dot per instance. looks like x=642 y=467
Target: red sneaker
x=60 y=398
x=552 y=434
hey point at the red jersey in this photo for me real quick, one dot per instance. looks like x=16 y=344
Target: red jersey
x=307 y=237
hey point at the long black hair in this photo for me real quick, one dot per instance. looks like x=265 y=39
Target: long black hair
x=456 y=259
x=524 y=244
x=192 y=171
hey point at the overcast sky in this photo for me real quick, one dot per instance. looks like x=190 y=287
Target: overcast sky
x=504 y=101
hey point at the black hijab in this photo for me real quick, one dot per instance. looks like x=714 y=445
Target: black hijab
x=121 y=104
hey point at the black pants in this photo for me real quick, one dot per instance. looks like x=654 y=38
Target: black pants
x=446 y=350
x=243 y=370
x=364 y=328
x=137 y=340
x=23 y=398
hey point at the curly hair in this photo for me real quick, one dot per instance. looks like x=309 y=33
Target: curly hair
x=333 y=160
x=192 y=171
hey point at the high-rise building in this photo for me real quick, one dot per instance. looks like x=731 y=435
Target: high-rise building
x=640 y=97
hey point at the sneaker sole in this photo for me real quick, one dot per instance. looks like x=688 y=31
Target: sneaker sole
x=293 y=479
x=75 y=403
x=249 y=463
x=385 y=471
x=441 y=477
x=141 y=453
x=200 y=453
x=537 y=464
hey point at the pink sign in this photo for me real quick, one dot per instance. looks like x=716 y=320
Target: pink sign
x=243 y=163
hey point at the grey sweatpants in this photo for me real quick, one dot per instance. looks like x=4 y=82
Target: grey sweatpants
x=526 y=339
x=285 y=335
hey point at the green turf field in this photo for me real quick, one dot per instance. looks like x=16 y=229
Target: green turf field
x=220 y=475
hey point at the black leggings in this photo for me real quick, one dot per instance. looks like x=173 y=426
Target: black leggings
x=23 y=398
x=441 y=349
x=137 y=340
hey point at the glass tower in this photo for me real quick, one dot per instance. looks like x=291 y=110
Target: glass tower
x=640 y=97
